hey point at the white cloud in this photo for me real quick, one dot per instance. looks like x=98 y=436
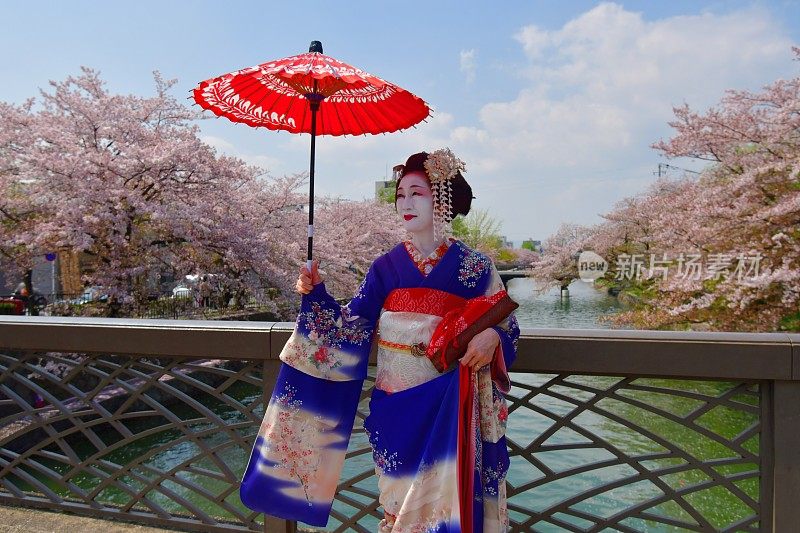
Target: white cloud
x=467 y=64
x=600 y=90
x=608 y=78
x=533 y=40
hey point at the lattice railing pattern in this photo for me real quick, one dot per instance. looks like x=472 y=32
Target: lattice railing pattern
x=166 y=441
x=633 y=454
x=595 y=453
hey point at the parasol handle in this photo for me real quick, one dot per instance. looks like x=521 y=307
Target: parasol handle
x=314 y=107
x=310 y=239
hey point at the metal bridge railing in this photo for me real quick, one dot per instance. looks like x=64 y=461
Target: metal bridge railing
x=152 y=421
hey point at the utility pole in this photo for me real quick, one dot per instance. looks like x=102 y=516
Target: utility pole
x=663 y=167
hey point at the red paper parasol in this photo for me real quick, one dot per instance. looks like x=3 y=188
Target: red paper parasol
x=311 y=93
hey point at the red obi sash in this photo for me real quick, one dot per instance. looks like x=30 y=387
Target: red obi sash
x=421 y=300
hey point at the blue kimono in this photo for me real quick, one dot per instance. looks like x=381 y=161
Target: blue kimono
x=438 y=440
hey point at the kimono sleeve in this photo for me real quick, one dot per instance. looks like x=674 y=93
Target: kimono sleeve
x=508 y=331
x=300 y=448
x=331 y=341
x=492 y=382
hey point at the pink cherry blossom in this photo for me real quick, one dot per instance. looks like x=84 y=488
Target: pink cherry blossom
x=126 y=180
x=745 y=203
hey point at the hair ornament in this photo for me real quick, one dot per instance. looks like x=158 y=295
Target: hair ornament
x=442 y=165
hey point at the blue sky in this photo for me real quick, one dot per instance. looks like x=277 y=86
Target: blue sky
x=553 y=105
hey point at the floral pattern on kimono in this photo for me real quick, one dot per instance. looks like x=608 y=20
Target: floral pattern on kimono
x=299 y=451
x=413 y=423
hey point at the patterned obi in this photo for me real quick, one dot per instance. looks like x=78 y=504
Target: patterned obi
x=408 y=318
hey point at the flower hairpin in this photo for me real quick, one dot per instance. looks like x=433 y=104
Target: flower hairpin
x=443 y=165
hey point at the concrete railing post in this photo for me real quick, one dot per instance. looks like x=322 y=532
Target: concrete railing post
x=786 y=456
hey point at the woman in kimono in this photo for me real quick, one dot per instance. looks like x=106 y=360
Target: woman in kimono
x=437 y=436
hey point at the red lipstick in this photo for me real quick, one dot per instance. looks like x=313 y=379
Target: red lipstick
x=409 y=217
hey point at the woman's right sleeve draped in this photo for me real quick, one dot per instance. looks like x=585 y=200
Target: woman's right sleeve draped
x=332 y=341
x=299 y=451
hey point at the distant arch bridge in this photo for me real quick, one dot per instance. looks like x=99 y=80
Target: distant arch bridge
x=508 y=275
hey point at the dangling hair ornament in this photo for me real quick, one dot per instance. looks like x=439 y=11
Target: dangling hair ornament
x=442 y=166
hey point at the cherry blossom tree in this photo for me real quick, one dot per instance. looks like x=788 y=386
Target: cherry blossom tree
x=742 y=214
x=524 y=258
x=17 y=210
x=558 y=265
x=126 y=180
x=369 y=228
x=740 y=219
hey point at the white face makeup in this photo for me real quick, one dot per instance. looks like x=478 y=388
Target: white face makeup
x=415 y=203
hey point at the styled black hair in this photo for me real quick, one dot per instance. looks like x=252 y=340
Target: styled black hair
x=461 y=191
